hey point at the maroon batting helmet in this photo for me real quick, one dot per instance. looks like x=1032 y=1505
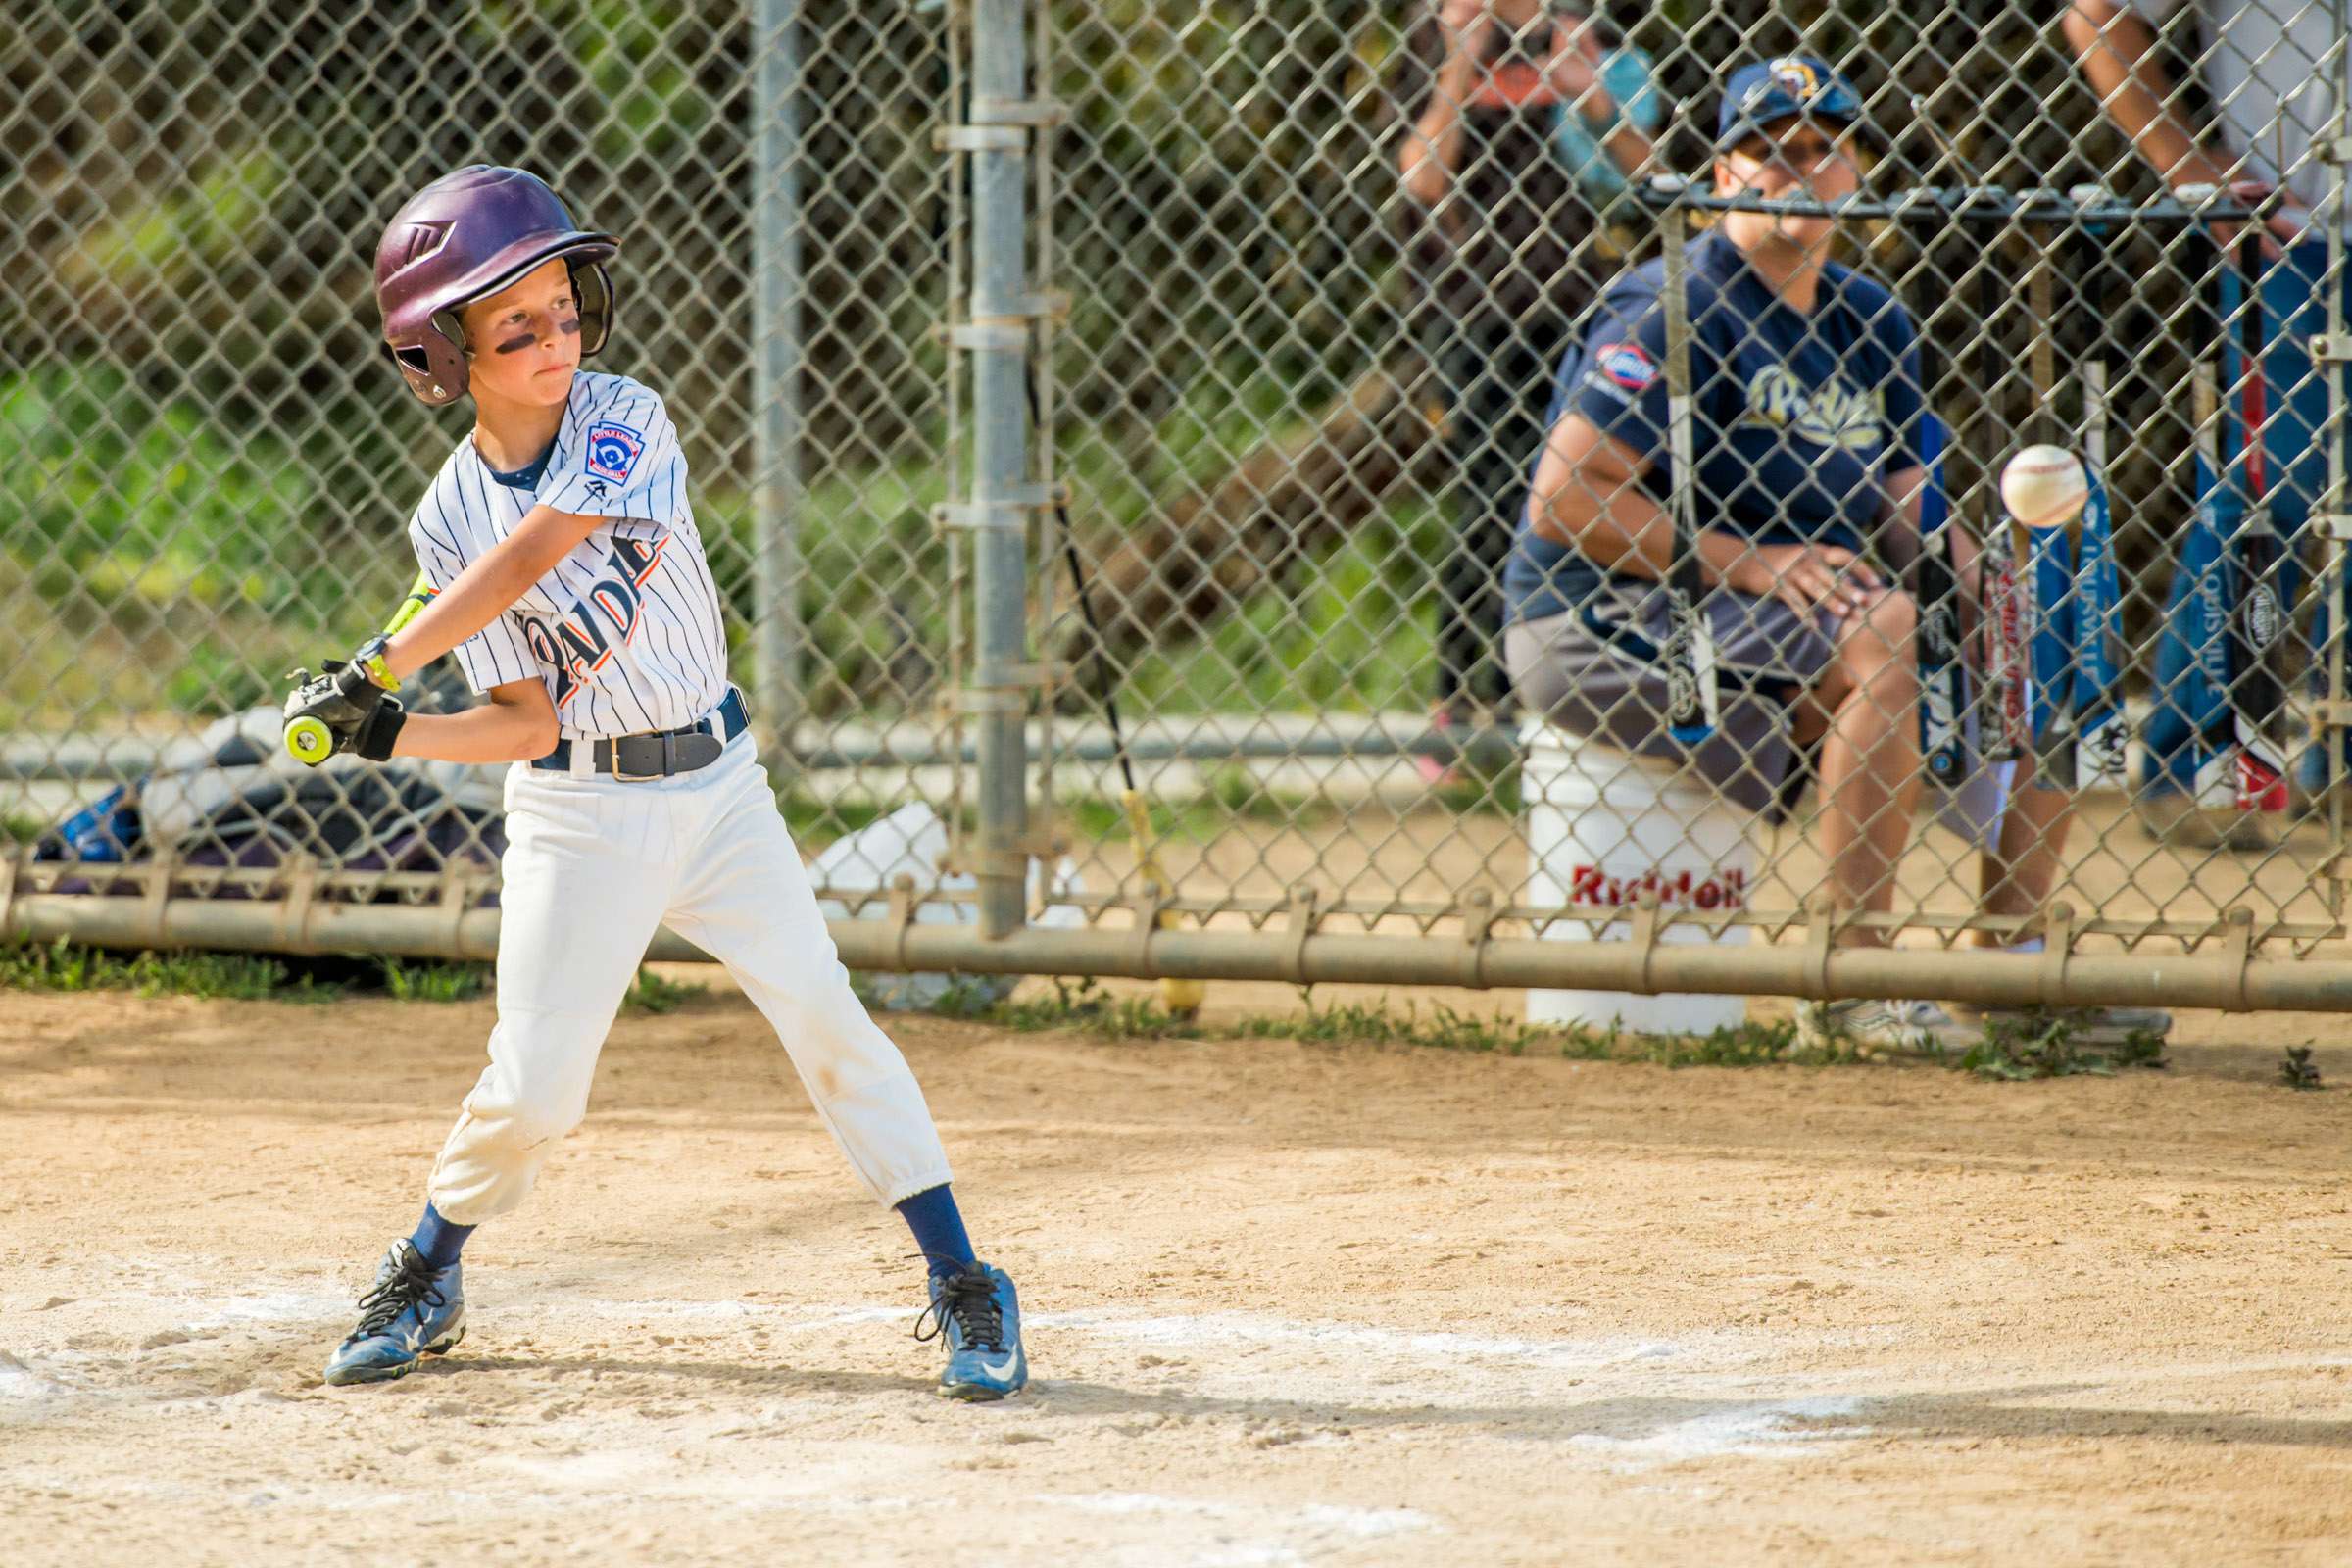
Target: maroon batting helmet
x=466 y=235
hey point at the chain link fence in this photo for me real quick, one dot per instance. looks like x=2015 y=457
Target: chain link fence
x=1124 y=412
x=212 y=463
x=1332 y=265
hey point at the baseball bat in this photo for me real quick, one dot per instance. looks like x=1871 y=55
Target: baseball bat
x=2206 y=695
x=2259 y=618
x=308 y=740
x=1942 y=672
x=2046 y=556
x=1693 y=703
x=2101 y=735
x=2002 y=626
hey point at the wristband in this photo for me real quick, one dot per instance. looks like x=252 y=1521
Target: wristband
x=370 y=656
x=374 y=739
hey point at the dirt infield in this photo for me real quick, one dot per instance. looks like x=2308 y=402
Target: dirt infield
x=1290 y=1304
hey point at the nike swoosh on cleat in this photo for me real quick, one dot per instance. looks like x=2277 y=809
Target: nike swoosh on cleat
x=1002 y=1368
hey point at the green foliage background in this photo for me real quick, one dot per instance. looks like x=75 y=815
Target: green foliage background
x=210 y=467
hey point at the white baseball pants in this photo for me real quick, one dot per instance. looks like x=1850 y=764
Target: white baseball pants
x=592 y=866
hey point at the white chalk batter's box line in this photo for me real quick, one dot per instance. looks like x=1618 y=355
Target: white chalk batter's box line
x=1694 y=1364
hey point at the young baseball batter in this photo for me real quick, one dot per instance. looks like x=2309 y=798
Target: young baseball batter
x=573 y=589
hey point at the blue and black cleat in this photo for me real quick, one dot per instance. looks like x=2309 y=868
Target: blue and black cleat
x=413 y=1311
x=978 y=1313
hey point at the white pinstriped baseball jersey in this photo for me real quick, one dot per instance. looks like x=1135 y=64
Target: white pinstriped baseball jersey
x=625 y=629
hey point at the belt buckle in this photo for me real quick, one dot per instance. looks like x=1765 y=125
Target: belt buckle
x=621 y=776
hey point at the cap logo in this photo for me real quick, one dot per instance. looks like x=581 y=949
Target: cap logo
x=612 y=451
x=1794 y=76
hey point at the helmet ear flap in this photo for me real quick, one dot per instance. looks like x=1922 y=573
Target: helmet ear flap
x=598 y=301
x=434 y=367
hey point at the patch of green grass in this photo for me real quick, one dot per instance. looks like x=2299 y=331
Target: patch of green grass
x=651 y=992
x=2043 y=1045
x=1748 y=1045
x=434 y=980
x=2011 y=1051
x=16 y=828
x=1355 y=637
x=65 y=966
x=1443 y=1028
x=967 y=996
x=1083 y=1007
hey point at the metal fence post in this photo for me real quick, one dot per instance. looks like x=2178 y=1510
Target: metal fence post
x=997 y=336
x=776 y=394
x=2331 y=575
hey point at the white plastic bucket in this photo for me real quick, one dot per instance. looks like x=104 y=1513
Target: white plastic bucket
x=1603 y=827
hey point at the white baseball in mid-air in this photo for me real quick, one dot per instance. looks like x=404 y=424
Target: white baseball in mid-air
x=2045 y=487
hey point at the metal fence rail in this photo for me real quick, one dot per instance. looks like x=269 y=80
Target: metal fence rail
x=1108 y=398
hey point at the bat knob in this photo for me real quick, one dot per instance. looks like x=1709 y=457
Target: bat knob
x=310 y=742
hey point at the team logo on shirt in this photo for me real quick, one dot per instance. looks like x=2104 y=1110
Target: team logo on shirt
x=1831 y=415
x=612 y=451
x=1625 y=365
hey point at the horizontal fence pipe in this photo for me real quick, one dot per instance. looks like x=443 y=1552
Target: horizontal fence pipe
x=404 y=931
x=1961 y=205
x=35 y=764
x=2225 y=979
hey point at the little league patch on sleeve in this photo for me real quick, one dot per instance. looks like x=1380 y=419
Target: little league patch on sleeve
x=612 y=451
x=1627 y=365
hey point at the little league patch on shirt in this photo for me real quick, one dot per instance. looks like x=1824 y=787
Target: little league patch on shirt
x=612 y=451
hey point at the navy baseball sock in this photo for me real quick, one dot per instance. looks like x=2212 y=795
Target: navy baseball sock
x=438 y=1239
x=938 y=1228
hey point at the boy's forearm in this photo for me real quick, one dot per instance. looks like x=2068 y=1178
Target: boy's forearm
x=481 y=594
x=493 y=732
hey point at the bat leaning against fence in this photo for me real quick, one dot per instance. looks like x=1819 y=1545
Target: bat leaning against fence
x=2258 y=695
x=2095 y=601
x=1943 y=671
x=1694 y=702
x=2239 y=604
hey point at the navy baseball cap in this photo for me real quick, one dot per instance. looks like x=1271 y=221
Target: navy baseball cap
x=1778 y=89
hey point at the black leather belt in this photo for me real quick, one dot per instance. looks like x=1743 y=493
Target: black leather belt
x=661 y=752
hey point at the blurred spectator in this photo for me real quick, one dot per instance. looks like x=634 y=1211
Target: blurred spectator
x=1530 y=118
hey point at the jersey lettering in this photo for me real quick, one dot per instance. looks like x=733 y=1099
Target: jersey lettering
x=625 y=632
x=636 y=559
x=579 y=644
x=550 y=654
x=1831 y=415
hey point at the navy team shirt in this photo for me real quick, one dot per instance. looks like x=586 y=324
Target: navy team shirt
x=1797 y=420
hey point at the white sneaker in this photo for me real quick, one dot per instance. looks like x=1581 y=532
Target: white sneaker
x=1920 y=1027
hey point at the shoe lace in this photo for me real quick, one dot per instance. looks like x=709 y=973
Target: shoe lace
x=969 y=1298
x=410 y=1282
